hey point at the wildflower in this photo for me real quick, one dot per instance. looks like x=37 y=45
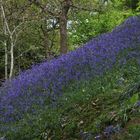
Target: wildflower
x=43 y=83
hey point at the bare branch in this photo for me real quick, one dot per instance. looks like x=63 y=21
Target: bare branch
x=4 y=17
x=18 y=26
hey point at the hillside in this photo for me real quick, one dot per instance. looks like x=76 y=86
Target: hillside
x=89 y=93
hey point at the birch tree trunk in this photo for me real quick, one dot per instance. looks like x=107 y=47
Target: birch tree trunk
x=7 y=29
x=6 y=52
x=6 y=60
x=12 y=57
x=5 y=45
x=13 y=39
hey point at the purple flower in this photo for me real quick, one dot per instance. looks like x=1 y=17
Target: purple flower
x=137 y=104
x=109 y=130
x=43 y=84
x=98 y=137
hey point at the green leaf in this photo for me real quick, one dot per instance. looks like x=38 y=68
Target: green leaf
x=134 y=98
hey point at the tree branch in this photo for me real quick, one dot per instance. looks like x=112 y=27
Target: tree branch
x=4 y=17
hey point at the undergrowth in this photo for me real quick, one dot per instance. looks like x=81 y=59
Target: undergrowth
x=88 y=110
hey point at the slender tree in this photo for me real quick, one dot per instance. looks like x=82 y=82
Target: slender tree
x=63 y=21
x=12 y=33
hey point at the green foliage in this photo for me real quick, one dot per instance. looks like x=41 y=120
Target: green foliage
x=133 y=4
x=134 y=98
x=84 y=24
x=131 y=132
x=86 y=106
x=84 y=29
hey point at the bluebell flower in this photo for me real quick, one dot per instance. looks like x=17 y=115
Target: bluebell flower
x=137 y=104
x=45 y=81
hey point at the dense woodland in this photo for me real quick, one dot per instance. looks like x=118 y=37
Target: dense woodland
x=69 y=69
x=32 y=31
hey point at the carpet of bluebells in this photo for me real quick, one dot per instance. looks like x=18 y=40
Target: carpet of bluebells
x=34 y=87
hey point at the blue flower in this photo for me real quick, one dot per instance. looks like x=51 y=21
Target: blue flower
x=45 y=81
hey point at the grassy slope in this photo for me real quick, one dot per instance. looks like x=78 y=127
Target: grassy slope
x=86 y=109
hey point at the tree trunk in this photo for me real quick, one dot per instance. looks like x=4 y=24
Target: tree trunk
x=5 y=42
x=63 y=35
x=63 y=26
x=6 y=52
x=6 y=60
x=12 y=57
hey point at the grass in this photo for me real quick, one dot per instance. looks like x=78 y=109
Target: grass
x=86 y=109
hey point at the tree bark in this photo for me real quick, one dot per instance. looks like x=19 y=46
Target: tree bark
x=6 y=52
x=5 y=42
x=13 y=40
x=63 y=26
x=12 y=57
x=6 y=60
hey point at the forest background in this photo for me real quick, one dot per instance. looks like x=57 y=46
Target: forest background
x=32 y=31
